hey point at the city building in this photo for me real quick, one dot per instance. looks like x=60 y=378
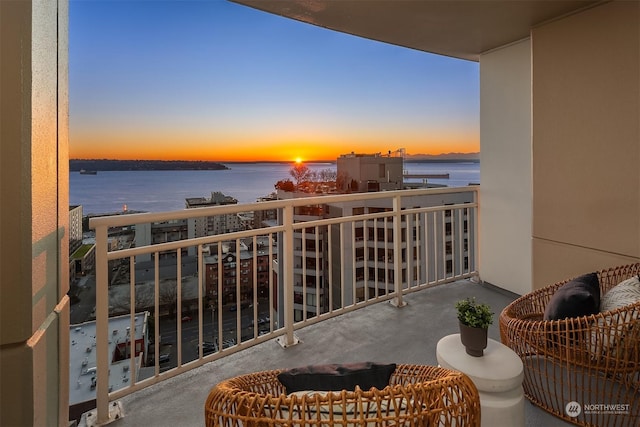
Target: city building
x=171 y=231
x=82 y=246
x=212 y=225
x=369 y=172
x=160 y=232
x=245 y=270
x=311 y=295
x=75 y=228
x=82 y=359
x=364 y=263
x=265 y=217
x=82 y=261
x=81 y=256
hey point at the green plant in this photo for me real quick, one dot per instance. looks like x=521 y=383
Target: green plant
x=474 y=314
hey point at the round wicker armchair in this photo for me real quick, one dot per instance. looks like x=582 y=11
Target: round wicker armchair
x=575 y=367
x=416 y=396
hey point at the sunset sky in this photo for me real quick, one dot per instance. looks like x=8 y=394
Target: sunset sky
x=213 y=80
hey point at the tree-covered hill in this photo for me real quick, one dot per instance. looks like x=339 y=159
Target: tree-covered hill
x=76 y=165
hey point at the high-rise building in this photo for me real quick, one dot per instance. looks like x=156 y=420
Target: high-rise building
x=75 y=228
x=212 y=225
x=360 y=173
x=169 y=231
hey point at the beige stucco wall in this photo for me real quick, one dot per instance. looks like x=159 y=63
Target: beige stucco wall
x=586 y=142
x=505 y=167
x=34 y=308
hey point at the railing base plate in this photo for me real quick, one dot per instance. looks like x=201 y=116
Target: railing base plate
x=90 y=419
x=282 y=340
x=397 y=303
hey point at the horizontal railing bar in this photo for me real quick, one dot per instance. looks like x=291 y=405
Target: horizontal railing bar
x=378 y=215
x=180 y=244
x=147 y=217
x=168 y=246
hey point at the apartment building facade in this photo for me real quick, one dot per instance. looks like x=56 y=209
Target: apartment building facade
x=211 y=225
x=237 y=274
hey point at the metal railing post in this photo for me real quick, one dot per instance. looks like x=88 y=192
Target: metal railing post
x=397 y=252
x=102 y=327
x=287 y=258
x=476 y=234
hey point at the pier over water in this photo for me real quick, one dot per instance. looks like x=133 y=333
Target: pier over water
x=426 y=175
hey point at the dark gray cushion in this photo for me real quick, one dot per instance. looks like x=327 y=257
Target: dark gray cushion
x=578 y=297
x=336 y=377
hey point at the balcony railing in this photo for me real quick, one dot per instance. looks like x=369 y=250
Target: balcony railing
x=321 y=267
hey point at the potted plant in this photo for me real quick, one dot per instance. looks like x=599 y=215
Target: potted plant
x=474 y=320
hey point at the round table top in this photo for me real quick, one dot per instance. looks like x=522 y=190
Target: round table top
x=499 y=369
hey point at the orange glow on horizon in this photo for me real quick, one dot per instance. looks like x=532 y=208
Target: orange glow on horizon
x=235 y=150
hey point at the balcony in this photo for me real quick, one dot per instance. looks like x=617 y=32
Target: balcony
x=380 y=332
x=232 y=331
x=552 y=144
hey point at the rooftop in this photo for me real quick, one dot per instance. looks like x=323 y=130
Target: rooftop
x=379 y=332
x=82 y=355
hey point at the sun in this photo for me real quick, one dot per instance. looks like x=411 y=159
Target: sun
x=298 y=160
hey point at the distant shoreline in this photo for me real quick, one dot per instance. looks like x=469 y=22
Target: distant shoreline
x=77 y=165
x=442 y=160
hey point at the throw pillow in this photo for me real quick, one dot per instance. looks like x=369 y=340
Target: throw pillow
x=336 y=377
x=578 y=297
x=624 y=293
x=617 y=335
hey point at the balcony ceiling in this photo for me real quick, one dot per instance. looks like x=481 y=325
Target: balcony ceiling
x=460 y=29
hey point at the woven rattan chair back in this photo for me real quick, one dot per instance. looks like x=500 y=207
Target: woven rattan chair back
x=417 y=396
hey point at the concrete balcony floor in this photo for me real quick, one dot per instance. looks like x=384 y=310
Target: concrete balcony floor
x=381 y=333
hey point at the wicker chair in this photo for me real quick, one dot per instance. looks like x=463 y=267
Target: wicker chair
x=416 y=396
x=589 y=360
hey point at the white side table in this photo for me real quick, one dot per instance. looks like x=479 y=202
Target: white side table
x=497 y=375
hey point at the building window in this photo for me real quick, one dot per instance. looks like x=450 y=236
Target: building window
x=311 y=299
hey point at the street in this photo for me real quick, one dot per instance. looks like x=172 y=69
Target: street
x=83 y=310
x=190 y=330
x=86 y=300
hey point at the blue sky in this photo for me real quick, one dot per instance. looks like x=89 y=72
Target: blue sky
x=213 y=80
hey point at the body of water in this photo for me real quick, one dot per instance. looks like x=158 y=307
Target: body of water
x=160 y=191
